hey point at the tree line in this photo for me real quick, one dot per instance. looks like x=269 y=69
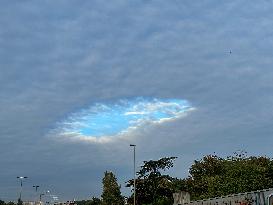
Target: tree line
x=215 y=176
x=209 y=177
x=6 y=203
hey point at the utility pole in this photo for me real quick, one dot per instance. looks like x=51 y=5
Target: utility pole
x=132 y=145
x=36 y=188
x=21 y=187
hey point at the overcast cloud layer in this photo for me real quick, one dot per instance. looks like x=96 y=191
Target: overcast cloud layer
x=57 y=57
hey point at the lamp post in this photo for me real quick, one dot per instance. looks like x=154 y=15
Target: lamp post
x=36 y=188
x=21 y=187
x=134 y=146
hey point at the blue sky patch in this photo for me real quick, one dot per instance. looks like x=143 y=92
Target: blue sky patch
x=102 y=120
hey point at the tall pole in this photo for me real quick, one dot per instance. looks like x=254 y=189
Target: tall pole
x=21 y=187
x=36 y=188
x=132 y=145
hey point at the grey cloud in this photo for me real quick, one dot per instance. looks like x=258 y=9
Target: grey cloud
x=58 y=57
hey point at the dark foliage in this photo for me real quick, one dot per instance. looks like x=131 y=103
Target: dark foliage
x=111 y=194
x=215 y=176
x=152 y=187
x=93 y=201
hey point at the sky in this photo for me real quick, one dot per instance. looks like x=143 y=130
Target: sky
x=71 y=73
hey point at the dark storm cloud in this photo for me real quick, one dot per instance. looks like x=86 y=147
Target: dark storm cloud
x=59 y=57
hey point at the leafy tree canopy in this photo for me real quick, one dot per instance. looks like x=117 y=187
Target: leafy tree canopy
x=20 y=202
x=111 y=194
x=2 y=202
x=215 y=176
x=152 y=187
x=93 y=201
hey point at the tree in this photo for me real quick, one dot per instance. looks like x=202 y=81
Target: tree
x=93 y=201
x=10 y=203
x=152 y=187
x=2 y=202
x=215 y=176
x=111 y=194
x=20 y=202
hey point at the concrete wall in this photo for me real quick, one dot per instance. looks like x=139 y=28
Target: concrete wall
x=250 y=198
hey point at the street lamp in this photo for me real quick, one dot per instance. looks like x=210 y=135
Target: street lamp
x=21 y=189
x=36 y=188
x=132 y=145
